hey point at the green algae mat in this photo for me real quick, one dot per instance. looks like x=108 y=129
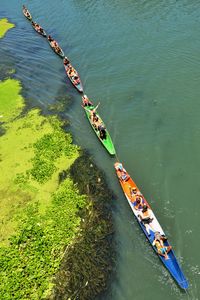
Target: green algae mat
x=5 y=26
x=38 y=213
x=11 y=102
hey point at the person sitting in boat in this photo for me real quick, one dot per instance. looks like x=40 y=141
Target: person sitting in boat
x=57 y=49
x=40 y=29
x=134 y=192
x=146 y=218
x=159 y=244
x=76 y=80
x=54 y=44
x=26 y=11
x=93 y=116
x=160 y=236
x=72 y=72
x=66 y=61
x=139 y=203
x=124 y=176
x=102 y=131
x=50 y=39
x=37 y=27
x=86 y=101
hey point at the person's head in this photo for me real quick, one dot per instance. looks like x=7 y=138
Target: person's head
x=134 y=190
x=157 y=234
x=144 y=208
x=138 y=200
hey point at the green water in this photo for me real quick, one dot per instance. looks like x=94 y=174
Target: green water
x=141 y=60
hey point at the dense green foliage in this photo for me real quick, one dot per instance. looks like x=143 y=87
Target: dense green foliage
x=48 y=149
x=33 y=257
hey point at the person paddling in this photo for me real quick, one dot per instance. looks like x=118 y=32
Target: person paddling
x=66 y=61
x=160 y=247
x=92 y=112
x=146 y=218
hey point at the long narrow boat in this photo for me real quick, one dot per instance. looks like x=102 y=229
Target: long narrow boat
x=26 y=13
x=39 y=29
x=171 y=263
x=73 y=77
x=106 y=139
x=60 y=53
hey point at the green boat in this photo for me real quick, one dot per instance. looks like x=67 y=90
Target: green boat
x=98 y=125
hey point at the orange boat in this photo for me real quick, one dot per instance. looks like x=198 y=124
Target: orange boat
x=150 y=226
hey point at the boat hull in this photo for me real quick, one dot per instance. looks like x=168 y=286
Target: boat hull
x=171 y=263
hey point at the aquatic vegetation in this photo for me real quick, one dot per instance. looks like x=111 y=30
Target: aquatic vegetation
x=48 y=149
x=5 y=26
x=34 y=254
x=54 y=241
x=11 y=102
x=26 y=156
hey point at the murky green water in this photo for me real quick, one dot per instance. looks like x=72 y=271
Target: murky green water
x=141 y=59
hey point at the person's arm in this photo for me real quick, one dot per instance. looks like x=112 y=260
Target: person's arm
x=97 y=106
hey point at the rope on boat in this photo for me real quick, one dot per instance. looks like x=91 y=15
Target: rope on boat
x=118 y=160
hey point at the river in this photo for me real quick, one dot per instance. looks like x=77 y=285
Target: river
x=141 y=60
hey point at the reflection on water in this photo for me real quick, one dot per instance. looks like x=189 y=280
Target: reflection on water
x=141 y=60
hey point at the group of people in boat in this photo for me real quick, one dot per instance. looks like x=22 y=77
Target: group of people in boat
x=54 y=45
x=38 y=28
x=145 y=214
x=95 y=120
x=71 y=71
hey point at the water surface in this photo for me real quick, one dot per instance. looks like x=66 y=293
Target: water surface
x=141 y=60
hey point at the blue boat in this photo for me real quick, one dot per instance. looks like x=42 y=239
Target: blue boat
x=150 y=225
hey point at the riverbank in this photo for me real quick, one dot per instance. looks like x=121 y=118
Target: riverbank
x=56 y=232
